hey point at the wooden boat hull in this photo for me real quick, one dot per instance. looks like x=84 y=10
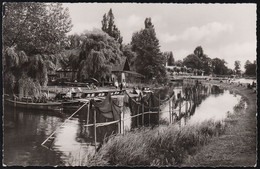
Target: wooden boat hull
x=39 y=106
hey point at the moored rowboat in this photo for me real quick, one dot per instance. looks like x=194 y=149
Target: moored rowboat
x=39 y=106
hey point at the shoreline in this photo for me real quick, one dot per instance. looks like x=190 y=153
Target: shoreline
x=237 y=145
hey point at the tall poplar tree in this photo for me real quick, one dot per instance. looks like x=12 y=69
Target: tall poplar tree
x=149 y=60
x=108 y=26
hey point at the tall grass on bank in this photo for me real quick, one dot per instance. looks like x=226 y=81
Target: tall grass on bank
x=146 y=147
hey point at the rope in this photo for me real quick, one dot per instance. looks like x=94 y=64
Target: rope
x=63 y=123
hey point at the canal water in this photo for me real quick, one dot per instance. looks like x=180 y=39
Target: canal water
x=24 y=130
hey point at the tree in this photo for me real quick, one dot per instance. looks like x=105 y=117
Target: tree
x=98 y=53
x=35 y=28
x=169 y=58
x=130 y=55
x=199 y=52
x=179 y=63
x=219 y=67
x=149 y=60
x=250 y=68
x=110 y=28
x=237 y=67
x=192 y=61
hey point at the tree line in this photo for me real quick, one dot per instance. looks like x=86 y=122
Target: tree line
x=35 y=42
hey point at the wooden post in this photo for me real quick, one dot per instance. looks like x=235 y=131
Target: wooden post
x=143 y=114
x=137 y=117
x=159 y=110
x=15 y=102
x=119 y=125
x=170 y=111
x=95 y=131
x=123 y=122
x=149 y=111
x=186 y=108
x=88 y=113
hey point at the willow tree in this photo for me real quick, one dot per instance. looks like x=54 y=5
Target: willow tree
x=35 y=27
x=99 y=52
x=32 y=31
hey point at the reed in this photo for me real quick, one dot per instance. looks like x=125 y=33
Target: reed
x=162 y=146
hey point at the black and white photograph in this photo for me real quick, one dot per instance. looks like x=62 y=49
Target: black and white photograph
x=129 y=84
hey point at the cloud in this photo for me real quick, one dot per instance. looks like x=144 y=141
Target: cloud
x=209 y=31
x=81 y=27
x=235 y=51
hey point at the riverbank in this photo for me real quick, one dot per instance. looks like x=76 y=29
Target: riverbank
x=237 y=146
x=209 y=144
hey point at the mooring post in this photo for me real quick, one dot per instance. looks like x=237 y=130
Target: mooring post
x=149 y=111
x=88 y=111
x=123 y=122
x=137 y=117
x=119 y=125
x=143 y=114
x=170 y=111
x=95 y=130
x=159 y=110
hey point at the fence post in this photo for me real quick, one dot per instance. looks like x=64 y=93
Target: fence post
x=170 y=111
x=137 y=117
x=95 y=131
x=149 y=110
x=88 y=111
x=143 y=114
x=119 y=125
x=159 y=110
x=123 y=122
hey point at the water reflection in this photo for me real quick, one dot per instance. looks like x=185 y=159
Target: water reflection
x=24 y=130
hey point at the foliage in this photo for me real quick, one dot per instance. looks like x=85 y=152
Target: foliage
x=169 y=58
x=110 y=28
x=149 y=60
x=219 y=67
x=250 y=68
x=192 y=61
x=179 y=63
x=156 y=147
x=130 y=55
x=35 y=27
x=198 y=60
x=237 y=67
x=98 y=53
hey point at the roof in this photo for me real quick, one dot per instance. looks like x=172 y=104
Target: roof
x=122 y=66
x=134 y=73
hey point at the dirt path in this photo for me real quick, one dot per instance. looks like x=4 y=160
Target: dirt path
x=237 y=146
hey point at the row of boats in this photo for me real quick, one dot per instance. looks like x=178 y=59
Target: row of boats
x=60 y=104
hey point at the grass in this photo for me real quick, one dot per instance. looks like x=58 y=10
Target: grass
x=158 y=147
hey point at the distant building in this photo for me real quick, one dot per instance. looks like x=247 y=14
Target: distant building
x=67 y=73
x=123 y=74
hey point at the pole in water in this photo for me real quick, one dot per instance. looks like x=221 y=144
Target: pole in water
x=149 y=111
x=170 y=111
x=95 y=131
x=159 y=110
x=143 y=114
x=137 y=117
x=123 y=122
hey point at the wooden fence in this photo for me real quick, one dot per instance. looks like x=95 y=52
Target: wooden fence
x=120 y=122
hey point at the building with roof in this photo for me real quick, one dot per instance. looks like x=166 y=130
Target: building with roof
x=122 y=73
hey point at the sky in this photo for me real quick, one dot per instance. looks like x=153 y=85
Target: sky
x=226 y=31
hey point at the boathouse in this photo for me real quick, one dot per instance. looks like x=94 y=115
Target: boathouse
x=122 y=73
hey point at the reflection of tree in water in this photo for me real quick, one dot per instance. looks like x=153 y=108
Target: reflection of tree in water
x=197 y=93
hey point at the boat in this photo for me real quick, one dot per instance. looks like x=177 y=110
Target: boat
x=31 y=105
